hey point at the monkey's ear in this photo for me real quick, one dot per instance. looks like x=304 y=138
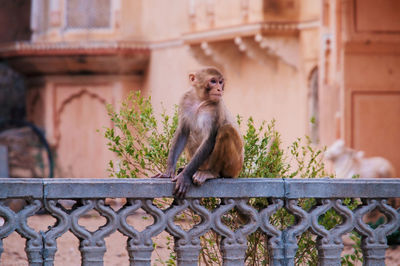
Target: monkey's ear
x=192 y=77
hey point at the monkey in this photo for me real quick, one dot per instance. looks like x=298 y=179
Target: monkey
x=207 y=132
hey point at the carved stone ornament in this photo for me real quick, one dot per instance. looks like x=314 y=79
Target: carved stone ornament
x=89 y=195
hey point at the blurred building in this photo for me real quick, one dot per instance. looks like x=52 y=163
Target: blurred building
x=326 y=68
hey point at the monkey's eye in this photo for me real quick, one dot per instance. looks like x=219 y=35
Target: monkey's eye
x=221 y=82
x=213 y=81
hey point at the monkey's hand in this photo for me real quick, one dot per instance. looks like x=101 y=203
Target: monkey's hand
x=182 y=185
x=169 y=173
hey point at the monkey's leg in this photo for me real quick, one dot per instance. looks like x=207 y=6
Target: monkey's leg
x=202 y=175
x=226 y=159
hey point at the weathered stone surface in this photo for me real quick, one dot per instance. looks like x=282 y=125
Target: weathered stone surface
x=4 y=172
x=238 y=188
x=89 y=195
x=21 y=188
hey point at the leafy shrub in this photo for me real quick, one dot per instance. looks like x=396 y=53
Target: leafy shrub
x=139 y=141
x=141 y=144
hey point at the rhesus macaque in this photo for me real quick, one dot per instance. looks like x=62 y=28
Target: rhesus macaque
x=208 y=132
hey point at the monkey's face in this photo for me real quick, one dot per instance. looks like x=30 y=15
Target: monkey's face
x=215 y=89
x=209 y=84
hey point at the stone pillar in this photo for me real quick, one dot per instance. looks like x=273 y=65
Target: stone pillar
x=140 y=255
x=374 y=254
x=187 y=255
x=233 y=254
x=92 y=256
x=329 y=255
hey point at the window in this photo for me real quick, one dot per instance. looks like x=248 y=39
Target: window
x=88 y=14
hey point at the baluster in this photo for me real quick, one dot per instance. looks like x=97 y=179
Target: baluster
x=9 y=224
x=63 y=224
x=187 y=244
x=329 y=243
x=139 y=249
x=34 y=244
x=92 y=245
x=275 y=244
x=234 y=244
x=373 y=242
x=289 y=234
x=199 y=229
x=140 y=245
x=230 y=249
x=283 y=244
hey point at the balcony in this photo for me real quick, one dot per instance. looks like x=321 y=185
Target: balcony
x=30 y=58
x=90 y=194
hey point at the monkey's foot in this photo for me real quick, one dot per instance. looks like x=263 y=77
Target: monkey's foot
x=201 y=176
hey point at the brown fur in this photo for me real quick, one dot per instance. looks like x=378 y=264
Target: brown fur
x=226 y=160
x=210 y=136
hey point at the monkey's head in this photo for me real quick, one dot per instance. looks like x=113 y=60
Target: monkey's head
x=208 y=83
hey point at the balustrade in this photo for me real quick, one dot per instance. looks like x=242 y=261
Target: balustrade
x=90 y=194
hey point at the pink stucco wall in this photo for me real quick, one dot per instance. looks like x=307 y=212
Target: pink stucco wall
x=267 y=50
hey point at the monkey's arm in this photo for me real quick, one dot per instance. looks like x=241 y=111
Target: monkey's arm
x=178 y=144
x=184 y=179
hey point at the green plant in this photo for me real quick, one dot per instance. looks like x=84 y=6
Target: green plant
x=141 y=143
x=352 y=259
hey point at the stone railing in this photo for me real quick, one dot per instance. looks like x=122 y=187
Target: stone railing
x=90 y=194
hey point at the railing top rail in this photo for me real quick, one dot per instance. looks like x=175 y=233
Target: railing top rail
x=225 y=188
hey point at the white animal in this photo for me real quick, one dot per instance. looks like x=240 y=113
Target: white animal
x=349 y=163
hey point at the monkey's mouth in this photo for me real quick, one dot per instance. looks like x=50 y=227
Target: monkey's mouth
x=218 y=95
